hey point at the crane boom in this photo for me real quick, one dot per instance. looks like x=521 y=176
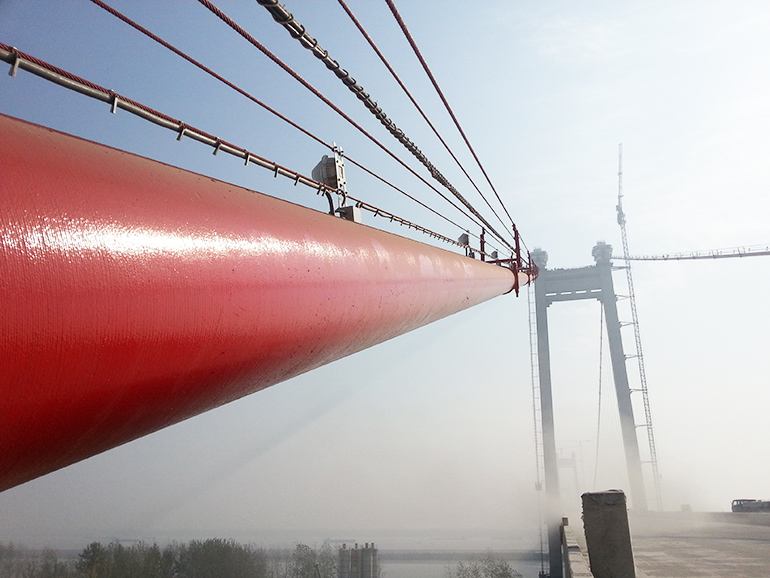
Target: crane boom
x=755 y=251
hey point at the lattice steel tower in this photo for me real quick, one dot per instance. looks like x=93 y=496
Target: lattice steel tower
x=637 y=338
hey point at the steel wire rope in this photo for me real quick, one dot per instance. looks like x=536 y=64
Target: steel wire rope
x=238 y=89
x=416 y=200
x=64 y=78
x=220 y=14
x=371 y=105
x=248 y=37
x=298 y=32
x=417 y=52
x=393 y=73
x=203 y=67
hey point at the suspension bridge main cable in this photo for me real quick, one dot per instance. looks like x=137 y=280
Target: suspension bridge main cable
x=417 y=52
x=19 y=59
x=268 y=108
x=297 y=31
x=393 y=73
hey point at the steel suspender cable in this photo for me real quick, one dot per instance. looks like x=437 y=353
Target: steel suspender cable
x=384 y=60
x=391 y=185
x=175 y=50
x=203 y=67
x=193 y=61
x=19 y=59
x=282 y=16
x=416 y=50
x=254 y=42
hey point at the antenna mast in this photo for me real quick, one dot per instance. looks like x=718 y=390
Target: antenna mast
x=637 y=336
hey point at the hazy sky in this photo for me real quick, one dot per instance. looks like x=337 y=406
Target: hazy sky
x=433 y=430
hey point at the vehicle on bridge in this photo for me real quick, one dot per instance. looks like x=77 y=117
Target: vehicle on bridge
x=751 y=506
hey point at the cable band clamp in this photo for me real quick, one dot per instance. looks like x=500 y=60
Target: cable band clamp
x=15 y=65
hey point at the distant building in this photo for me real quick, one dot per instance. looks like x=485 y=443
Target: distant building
x=358 y=562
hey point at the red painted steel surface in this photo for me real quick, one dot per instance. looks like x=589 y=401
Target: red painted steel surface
x=135 y=295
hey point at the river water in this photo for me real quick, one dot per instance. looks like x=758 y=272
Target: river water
x=438 y=569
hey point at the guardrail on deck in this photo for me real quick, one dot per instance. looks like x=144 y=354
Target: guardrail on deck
x=575 y=562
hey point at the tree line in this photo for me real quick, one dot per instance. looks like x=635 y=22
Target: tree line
x=486 y=566
x=213 y=558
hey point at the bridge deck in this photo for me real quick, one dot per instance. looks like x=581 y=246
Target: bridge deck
x=679 y=545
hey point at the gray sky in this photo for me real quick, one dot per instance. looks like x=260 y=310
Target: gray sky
x=433 y=430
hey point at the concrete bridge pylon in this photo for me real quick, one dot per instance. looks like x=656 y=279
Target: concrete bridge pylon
x=593 y=282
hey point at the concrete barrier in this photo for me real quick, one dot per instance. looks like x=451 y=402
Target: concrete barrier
x=575 y=562
x=605 y=519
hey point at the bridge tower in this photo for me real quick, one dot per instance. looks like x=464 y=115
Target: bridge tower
x=594 y=282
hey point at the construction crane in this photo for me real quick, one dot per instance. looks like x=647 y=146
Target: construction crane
x=753 y=251
x=637 y=336
x=744 y=251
